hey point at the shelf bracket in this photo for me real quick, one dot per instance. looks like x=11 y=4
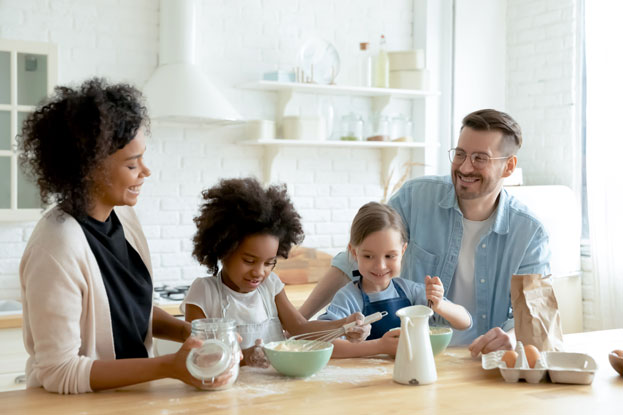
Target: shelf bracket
x=283 y=98
x=389 y=161
x=268 y=169
x=380 y=102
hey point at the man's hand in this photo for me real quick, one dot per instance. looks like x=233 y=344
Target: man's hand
x=494 y=339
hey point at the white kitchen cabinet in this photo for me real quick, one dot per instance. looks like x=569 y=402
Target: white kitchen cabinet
x=13 y=358
x=27 y=75
x=425 y=144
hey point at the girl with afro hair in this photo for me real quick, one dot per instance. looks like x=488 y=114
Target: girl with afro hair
x=244 y=228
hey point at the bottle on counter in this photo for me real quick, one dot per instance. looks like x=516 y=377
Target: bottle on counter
x=365 y=65
x=382 y=66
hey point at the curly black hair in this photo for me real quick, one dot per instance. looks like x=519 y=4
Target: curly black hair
x=237 y=208
x=65 y=139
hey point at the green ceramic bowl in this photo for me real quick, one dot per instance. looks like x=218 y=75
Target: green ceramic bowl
x=298 y=363
x=440 y=338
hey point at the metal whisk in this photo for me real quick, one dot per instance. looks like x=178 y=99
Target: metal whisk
x=323 y=336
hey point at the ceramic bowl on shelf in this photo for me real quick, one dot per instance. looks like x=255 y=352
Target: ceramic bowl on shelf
x=292 y=358
x=616 y=360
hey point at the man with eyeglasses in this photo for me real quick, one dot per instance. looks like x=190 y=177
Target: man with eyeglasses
x=466 y=229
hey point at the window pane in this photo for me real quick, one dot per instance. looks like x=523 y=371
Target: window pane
x=5 y=182
x=21 y=116
x=32 y=78
x=5 y=77
x=27 y=192
x=5 y=130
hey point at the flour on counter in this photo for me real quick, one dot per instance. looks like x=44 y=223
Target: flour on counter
x=253 y=381
x=354 y=375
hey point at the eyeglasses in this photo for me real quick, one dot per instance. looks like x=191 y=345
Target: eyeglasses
x=479 y=160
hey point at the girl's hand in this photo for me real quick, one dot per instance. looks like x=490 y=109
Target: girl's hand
x=434 y=291
x=359 y=332
x=389 y=342
x=254 y=356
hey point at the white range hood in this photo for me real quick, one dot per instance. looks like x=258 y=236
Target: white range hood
x=178 y=90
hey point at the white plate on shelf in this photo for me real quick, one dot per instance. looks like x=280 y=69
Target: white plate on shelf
x=324 y=58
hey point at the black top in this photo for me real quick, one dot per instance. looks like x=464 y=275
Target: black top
x=127 y=281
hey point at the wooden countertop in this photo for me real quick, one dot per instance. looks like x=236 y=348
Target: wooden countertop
x=357 y=386
x=11 y=321
x=296 y=293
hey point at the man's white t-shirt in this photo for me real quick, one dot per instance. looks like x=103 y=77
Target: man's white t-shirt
x=462 y=290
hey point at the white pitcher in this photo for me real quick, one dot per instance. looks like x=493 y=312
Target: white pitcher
x=414 y=363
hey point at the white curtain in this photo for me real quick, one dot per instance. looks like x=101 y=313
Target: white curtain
x=604 y=154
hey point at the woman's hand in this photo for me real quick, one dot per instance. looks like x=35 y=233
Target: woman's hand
x=179 y=371
x=360 y=331
x=434 y=291
x=254 y=356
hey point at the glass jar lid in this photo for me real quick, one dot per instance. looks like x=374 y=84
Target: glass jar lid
x=209 y=360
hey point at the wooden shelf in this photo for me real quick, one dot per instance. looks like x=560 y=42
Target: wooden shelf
x=337 y=89
x=335 y=143
x=380 y=96
x=390 y=151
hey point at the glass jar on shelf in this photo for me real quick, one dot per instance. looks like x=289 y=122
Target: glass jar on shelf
x=219 y=352
x=352 y=127
x=379 y=130
x=401 y=128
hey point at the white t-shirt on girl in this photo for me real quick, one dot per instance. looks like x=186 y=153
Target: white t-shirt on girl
x=210 y=295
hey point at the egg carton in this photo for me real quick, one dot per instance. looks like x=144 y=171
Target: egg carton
x=561 y=367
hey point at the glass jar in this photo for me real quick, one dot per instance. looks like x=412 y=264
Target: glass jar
x=380 y=129
x=352 y=127
x=401 y=128
x=219 y=352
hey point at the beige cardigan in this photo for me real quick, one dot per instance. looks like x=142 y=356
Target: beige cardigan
x=67 y=323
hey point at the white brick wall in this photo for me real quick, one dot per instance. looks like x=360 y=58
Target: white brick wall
x=541 y=91
x=237 y=41
x=542 y=94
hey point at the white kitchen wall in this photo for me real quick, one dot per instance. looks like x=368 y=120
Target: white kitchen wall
x=237 y=41
x=541 y=88
x=479 y=58
x=542 y=93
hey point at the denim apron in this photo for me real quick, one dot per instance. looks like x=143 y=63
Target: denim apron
x=269 y=330
x=391 y=305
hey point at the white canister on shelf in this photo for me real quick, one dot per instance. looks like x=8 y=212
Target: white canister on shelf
x=412 y=79
x=304 y=128
x=406 y=60
x=260 y=130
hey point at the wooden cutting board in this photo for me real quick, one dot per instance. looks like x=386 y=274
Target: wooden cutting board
x=303 y=266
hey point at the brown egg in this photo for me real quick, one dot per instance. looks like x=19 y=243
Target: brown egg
x=532 y=354
x=510 y=357
x=618 y=352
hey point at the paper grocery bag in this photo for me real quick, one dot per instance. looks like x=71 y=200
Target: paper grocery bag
x=535 y=308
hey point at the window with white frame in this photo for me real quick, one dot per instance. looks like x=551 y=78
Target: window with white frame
x=27 y=75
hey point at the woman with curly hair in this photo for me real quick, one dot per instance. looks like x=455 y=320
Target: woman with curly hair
x=86 y=271
x=246 y=227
